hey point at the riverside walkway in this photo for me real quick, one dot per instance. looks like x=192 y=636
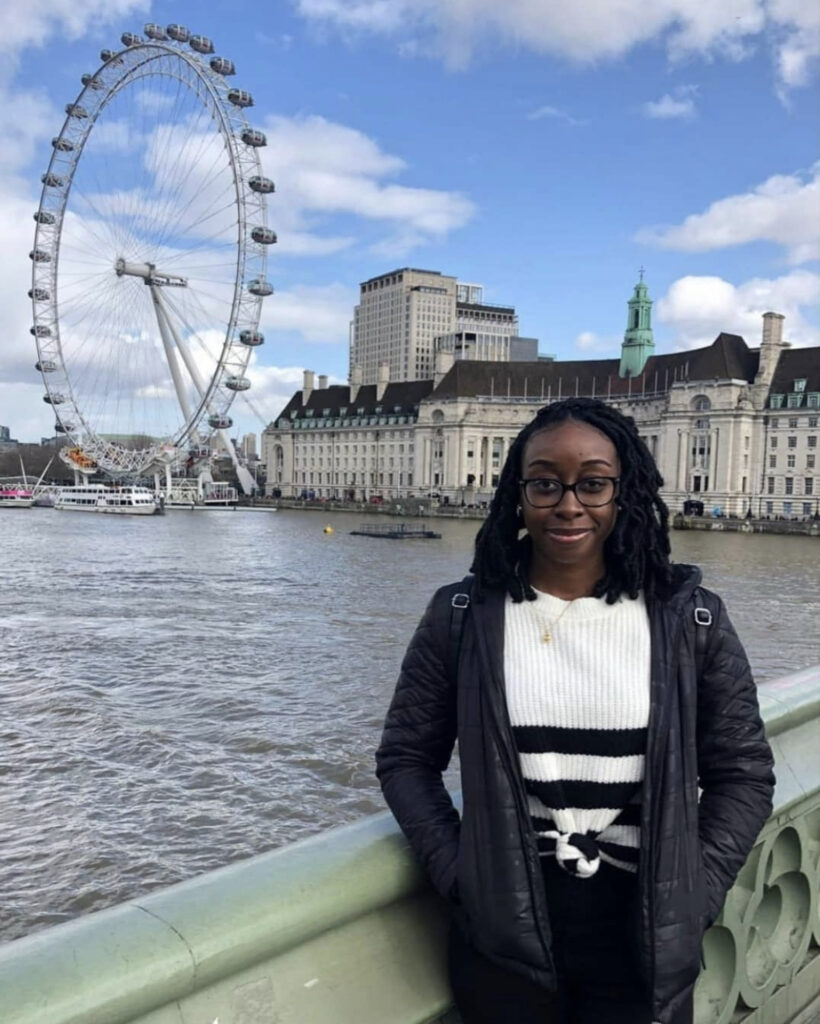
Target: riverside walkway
x=343 y=929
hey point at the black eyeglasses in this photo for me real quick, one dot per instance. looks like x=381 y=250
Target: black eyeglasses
x=591 y=491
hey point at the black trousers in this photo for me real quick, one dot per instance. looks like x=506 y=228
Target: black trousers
x=598 y=982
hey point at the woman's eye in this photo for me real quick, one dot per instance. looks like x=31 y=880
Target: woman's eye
x=545 y=486
x=592 y=485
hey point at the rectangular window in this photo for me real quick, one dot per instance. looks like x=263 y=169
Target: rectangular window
x=743 y=485
x=787 y=508
x=769 y=508
x=800 y=384
x=806 y=508
x=812 y=421
x=789 y=485
x=776 y=401
x=772 y=442
x=772 y=462
x=792 y=423
x=809 y=462
x=774 y=422
x=791 y=441
x=808 y=485
x=813 y=400
x=790 y=461
x=794 y=401
x=812 y=440
x=770 y=485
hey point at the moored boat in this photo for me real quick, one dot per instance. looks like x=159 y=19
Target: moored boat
x=125 y=500
x=396 y=531
x=16 y=497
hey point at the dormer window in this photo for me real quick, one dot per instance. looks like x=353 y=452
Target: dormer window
x=308 y=413
x=325 y=412
x=800 y=384
x=776 y=401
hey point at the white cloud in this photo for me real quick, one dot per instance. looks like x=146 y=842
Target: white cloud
x=680 y=103
x=590 y=342
x=785 y=210
x=328 y=169
x=586 y=30
x=554 y=112
x=317 y=313
x=696 y=309
x=23 y=23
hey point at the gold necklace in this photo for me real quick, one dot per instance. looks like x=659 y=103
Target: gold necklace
x=547 y=635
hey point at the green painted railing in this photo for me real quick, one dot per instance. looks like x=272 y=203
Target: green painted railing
x=342 y=929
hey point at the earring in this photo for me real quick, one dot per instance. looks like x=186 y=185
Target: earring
x=518 y=511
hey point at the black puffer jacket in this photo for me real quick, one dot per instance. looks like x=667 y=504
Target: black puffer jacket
x=705 y=733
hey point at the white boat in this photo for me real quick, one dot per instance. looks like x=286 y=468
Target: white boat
x=16 y=497
x=126 y=500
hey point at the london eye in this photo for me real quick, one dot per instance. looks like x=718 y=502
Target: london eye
x=149 y=256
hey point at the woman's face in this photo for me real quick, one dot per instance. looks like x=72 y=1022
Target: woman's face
x=569 y=534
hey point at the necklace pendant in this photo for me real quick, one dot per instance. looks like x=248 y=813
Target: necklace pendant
x=546 y=636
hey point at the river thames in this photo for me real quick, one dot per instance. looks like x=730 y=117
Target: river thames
x=183 y=691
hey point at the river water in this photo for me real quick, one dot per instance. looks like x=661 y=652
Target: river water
x=183 y=691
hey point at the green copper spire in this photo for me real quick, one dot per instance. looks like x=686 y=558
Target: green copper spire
x=638 y=345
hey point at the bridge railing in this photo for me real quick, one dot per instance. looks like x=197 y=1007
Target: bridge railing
x=343 y=929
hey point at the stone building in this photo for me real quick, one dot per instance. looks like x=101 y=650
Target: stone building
x=731 y=425
x=405 y=316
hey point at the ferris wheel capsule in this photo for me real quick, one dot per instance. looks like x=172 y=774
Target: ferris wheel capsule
x=156 y=32
x=259 y=286
x=220 y=422
x=45 y=366
x=179 y=33
x=75 y=110
x=55 y=399
x=251 y=338
x=62 y=145
x=265 y=236
x=39 y=256
x=107 y=56
x=40 y=331
x=51 y=180
x=202 y=44
x=131 y=39
x=237 y=383
x=253 y=137
x=223 y=66
x=44 y=217
x=91 y=80
x=259 y=183
x=63 y=428
x=39 y=294
x=240 y=98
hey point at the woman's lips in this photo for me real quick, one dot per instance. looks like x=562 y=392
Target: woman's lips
x=568 y=536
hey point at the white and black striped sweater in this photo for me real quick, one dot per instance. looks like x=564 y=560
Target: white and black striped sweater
x=579 y=708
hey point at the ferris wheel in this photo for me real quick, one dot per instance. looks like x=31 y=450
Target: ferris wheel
x=149 y=258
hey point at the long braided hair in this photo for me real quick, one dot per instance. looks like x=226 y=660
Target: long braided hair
x=636 y=553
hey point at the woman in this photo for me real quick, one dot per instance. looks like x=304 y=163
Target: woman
x=593 y=688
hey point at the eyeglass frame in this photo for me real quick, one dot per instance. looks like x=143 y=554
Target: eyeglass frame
x=614 y=480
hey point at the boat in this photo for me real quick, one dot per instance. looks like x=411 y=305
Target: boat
x=16 y=497
x=396 y=531
x=125 y=500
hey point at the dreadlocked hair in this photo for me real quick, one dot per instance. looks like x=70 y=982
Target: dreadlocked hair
x=636 y=553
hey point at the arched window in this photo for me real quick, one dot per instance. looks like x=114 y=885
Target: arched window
x=700 y=403
x=438 y=416
x=635 y=318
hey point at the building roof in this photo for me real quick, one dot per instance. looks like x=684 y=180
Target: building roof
x=728 y=357
x=401 y=398
x=796 y=364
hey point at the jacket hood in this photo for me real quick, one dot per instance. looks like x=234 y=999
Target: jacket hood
x=684 y=580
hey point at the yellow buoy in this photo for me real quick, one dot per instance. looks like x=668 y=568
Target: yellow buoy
x=328 y=529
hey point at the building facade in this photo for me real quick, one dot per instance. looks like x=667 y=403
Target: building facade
x=406 y=316
x=733 y=426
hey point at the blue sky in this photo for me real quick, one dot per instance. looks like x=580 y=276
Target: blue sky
x=543 y=152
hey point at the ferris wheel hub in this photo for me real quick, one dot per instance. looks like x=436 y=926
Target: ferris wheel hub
x=149 y=273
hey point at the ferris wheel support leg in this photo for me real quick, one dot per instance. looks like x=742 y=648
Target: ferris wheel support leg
x=167 y=335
